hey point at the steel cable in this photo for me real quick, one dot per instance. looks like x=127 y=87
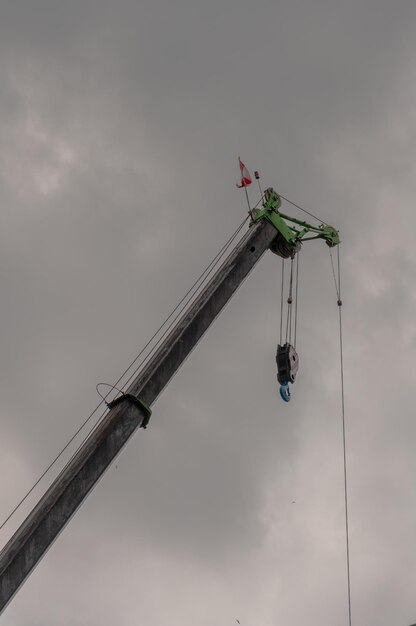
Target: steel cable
x=191 y=293
x=344 y=444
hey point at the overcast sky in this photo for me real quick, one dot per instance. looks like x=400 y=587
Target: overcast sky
x=120 y=127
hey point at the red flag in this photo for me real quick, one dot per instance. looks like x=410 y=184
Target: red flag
x=245 y=175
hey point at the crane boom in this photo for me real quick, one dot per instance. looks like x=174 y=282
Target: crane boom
x=42 y=526
x=269 y=229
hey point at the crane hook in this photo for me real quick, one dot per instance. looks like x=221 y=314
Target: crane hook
x=284 y=392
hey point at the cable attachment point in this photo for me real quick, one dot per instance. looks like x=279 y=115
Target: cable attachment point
x=339 y=302
x=142 y=406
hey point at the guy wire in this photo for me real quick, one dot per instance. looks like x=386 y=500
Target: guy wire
x=304 y=210
x=344 y=445
x=82 y=426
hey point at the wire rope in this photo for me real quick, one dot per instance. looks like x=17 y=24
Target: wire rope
x=150 y=353
x=281 y=301
x=347 y=534
x=184 y=307
x=296 y=299
x=289 y=306
x=339 y=273
x=193 y=290
x=216 y=260
x=344 y=444
x=304 y=210
x=49 y=467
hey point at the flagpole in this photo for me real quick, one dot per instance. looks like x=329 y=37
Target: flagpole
x=257 y=177
x=248 y=200
x=243 y=184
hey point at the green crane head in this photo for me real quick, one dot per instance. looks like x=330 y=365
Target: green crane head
x=291 y=235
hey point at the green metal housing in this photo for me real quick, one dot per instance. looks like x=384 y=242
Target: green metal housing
x=292 y=235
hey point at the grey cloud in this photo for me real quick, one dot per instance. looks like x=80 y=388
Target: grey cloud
x=120 y=125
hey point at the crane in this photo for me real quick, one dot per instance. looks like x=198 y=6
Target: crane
x=269 y=229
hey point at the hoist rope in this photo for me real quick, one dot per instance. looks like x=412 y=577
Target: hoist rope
x=344 y=445
x=345 y=466
x=182 y=304
x=289 y=306
x=339 y=272
x=291 y=317
x=296 y=299
x=336 y=282
x=304 y=210
x=281 y=302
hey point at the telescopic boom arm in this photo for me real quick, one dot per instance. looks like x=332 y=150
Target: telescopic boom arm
x=31 y=541
x=37 y=533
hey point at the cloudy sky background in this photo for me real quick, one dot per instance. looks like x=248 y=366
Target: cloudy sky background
x=120 y=127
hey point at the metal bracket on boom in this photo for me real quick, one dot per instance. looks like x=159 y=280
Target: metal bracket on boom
x=137 y=402
x=290 y=238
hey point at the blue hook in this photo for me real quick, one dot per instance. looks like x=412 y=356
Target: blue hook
x=284 y=392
